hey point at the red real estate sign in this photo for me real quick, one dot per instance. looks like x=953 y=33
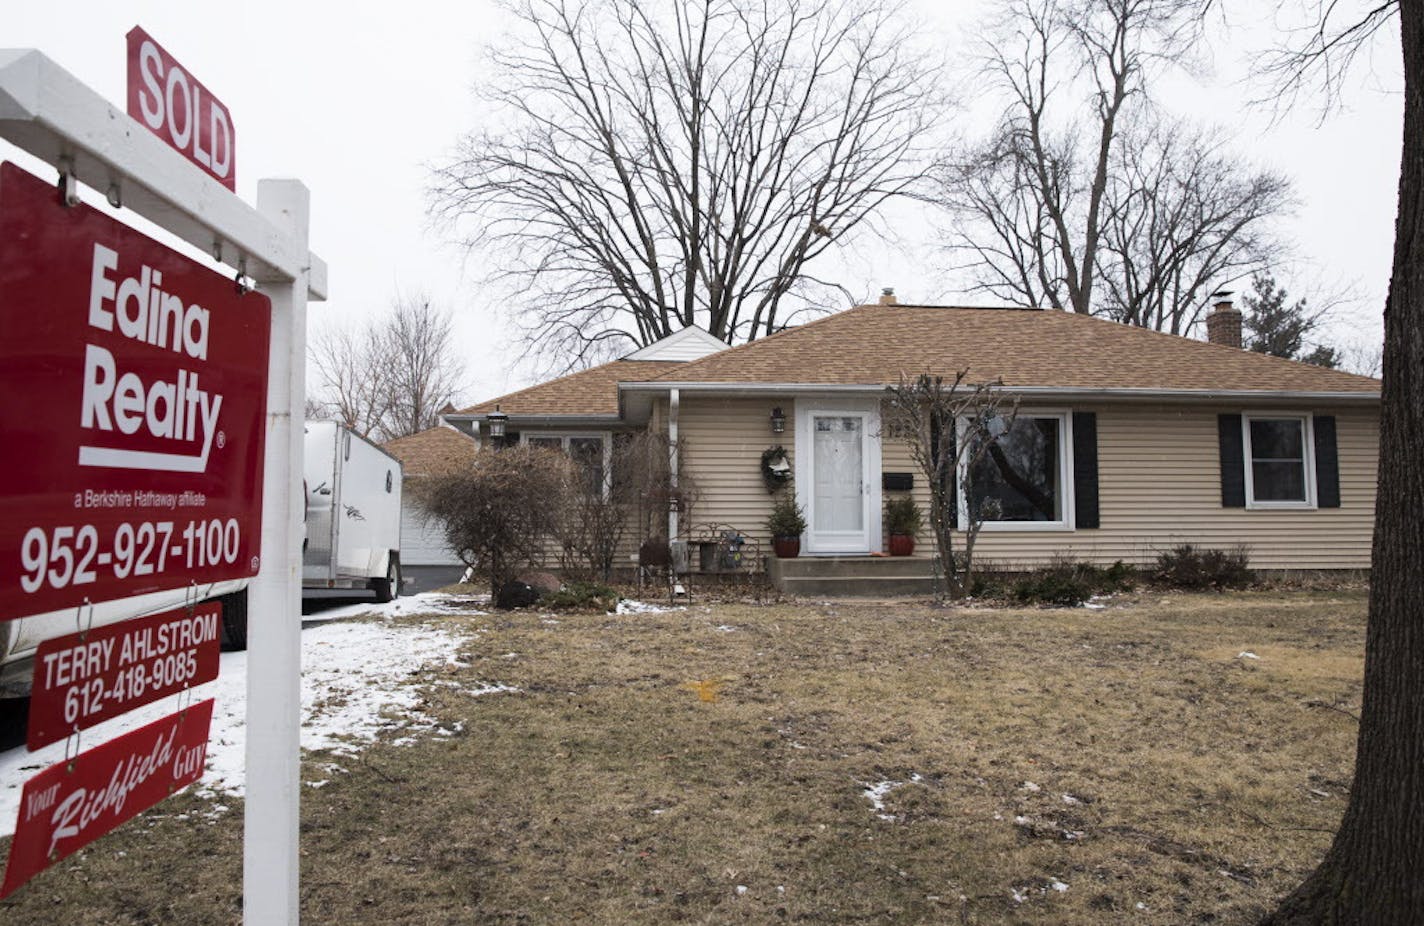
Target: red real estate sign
x=133 y=386
x=164 y=96
x=71 y=804
x=85 y=678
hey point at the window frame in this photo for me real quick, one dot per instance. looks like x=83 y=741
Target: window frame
x=1068 y=521
x=1307 y=433
x=565 y=436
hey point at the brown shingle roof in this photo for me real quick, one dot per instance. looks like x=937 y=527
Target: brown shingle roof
x=875 y=344
x=589 y=392
x=433 y=451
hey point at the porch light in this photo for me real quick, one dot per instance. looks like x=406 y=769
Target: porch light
x=497 y=421
x=778 y=420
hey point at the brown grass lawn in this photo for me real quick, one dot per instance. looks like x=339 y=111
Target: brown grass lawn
x=1048 y=766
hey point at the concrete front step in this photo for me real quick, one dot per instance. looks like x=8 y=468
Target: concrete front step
x=856 y=586
x=849 y=566
x=853 y=576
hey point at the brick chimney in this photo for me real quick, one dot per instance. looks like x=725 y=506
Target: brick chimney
x=1223 y=325
x=887 y=296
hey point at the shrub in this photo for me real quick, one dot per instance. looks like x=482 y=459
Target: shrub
x=581 y=596
x=498 y=514
x=1191 y=567
x=1066 y=581
x=902 y=516
x=786 y=518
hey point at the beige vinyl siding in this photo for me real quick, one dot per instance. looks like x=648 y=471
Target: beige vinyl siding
x=895 y=458
x=1159 y=479
x=722 y=440
x=1159 y=485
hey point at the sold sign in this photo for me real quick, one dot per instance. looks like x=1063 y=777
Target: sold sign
x=179 y=110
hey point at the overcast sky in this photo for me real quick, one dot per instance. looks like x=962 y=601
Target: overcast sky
x=357 y=98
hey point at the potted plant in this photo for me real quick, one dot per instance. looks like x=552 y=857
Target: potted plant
x=902 y=522
x=786 y=524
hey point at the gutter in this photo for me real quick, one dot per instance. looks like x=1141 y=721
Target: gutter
x=559 y=421
x=1121 y=394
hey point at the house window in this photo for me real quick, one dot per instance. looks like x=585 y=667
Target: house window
x=1280 y=471
x=1020 y=480
x=590 y=453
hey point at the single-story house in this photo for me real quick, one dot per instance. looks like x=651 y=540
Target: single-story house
x=426 y=560
x=1129 y=441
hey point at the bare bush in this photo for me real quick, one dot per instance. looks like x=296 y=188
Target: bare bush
x=499 y=514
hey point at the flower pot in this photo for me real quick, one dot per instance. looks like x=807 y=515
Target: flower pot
x=902 y=544
x=786 y=547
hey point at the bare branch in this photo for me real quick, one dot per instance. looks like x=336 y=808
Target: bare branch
x=664 y=166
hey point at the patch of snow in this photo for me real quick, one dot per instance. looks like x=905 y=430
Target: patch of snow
x=485 y=688
x=629 y=606
x=1018 y=896
x=1095 y=603
x=1030 y=787
x=424 y=603
x=741 y=889
x=1070 y=799
x=725 y=628
x=877 y=793
x=1247 y=654
x=1057 y=885
x=356 y=683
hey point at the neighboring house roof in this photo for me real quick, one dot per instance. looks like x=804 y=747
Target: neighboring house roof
x=690 y=343
x=434 y=451
x=591 y=392
x=877 y=344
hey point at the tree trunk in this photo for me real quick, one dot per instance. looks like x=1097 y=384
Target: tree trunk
x=1374 y=871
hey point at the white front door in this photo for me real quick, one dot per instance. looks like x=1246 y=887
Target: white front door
x=837 y=449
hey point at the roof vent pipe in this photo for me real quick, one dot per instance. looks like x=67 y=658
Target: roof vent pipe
x=887 y=296
x=1223 y=325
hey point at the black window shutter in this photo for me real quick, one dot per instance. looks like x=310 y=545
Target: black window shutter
x=1233 y=467
x=1085 y=469
x=1327 y=463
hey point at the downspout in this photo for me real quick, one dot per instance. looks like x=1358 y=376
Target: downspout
x=674 y=503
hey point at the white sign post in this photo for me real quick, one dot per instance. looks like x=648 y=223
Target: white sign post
x=47 y=112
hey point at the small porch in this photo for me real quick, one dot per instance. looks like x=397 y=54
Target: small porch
x=852 y=576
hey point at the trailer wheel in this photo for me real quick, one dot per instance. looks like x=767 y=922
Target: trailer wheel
x=388 y=589
x=234 y=618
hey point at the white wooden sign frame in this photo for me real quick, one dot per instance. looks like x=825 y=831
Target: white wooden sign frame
x=49 y=113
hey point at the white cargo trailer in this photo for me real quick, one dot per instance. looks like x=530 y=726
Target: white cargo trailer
x=353 y=514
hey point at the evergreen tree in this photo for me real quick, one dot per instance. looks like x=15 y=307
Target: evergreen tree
x=1273 y=325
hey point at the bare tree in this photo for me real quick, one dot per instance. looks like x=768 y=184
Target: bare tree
x=1370 y=874
x=948 y=426
x=426 y=370
x=391 y=377
x=1180 y=218
x=660 y=166
x=353 y=369
x=1082 y=186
